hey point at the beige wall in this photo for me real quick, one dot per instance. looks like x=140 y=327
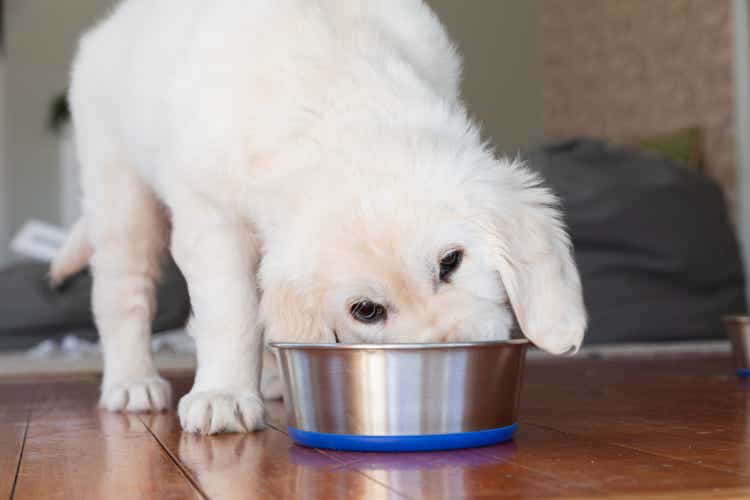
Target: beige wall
x=502 y=70
x=629 y=69
x=41 y=36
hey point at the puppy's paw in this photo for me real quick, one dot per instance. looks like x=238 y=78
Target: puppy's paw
x=215 y=412
x=141 y=395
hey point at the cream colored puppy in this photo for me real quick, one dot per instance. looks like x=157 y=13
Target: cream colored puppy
x=321 y=179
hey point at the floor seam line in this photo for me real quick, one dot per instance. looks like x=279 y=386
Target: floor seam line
x=345 y=464
x=23 y=447
x=563 y=483
x=681 y=460
x=388 y=487
x=272 y=426
x=639 y=450
x=175 y=461
x=341 y=462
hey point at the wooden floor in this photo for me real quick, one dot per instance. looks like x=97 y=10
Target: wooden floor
x=626 y=429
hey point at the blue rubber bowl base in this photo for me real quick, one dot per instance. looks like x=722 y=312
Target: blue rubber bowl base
x=743 y=372
x=427 y=442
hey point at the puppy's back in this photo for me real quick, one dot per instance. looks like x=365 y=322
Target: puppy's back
x=163 y=75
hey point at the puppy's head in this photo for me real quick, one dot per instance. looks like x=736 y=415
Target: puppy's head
x=439 y=249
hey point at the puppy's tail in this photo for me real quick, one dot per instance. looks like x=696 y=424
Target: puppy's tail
x=73 y=256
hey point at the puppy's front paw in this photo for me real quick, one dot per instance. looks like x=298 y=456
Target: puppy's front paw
x=141 y=395
x=214 y=412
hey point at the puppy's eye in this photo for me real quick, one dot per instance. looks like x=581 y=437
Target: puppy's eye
x=449 y=263
x=368 y=312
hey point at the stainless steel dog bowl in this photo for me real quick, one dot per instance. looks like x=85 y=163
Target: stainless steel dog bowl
x=401 y=397
x=738 y=331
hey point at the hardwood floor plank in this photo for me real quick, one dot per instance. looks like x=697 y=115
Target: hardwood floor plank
x=610 y=469
x=687 y=410
x=75 y=451
x=720 y=454
x=15 y=403
x=609 y=409
x=739 y=494
x=445 y=475
x=12 y=438
x=589 y=429
x=263 y=464
x=459 y=474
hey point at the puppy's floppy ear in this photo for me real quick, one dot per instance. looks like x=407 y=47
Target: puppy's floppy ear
x=532 y=252
x=291 y=315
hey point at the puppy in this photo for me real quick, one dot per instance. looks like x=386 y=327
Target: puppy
x=316 y=170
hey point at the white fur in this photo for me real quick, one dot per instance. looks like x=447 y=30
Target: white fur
x=306 y=153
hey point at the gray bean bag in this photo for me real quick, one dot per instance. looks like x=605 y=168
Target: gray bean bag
x=31 y=312
x=657 y=254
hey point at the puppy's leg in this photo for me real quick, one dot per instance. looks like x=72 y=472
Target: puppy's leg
x=128 y=230
x=270 y=382
x=218 y=256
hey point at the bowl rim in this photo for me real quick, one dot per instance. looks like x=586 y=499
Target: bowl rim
x=511 y=343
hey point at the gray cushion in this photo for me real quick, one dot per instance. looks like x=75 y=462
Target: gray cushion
x=31 y=312
x=657 y=254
